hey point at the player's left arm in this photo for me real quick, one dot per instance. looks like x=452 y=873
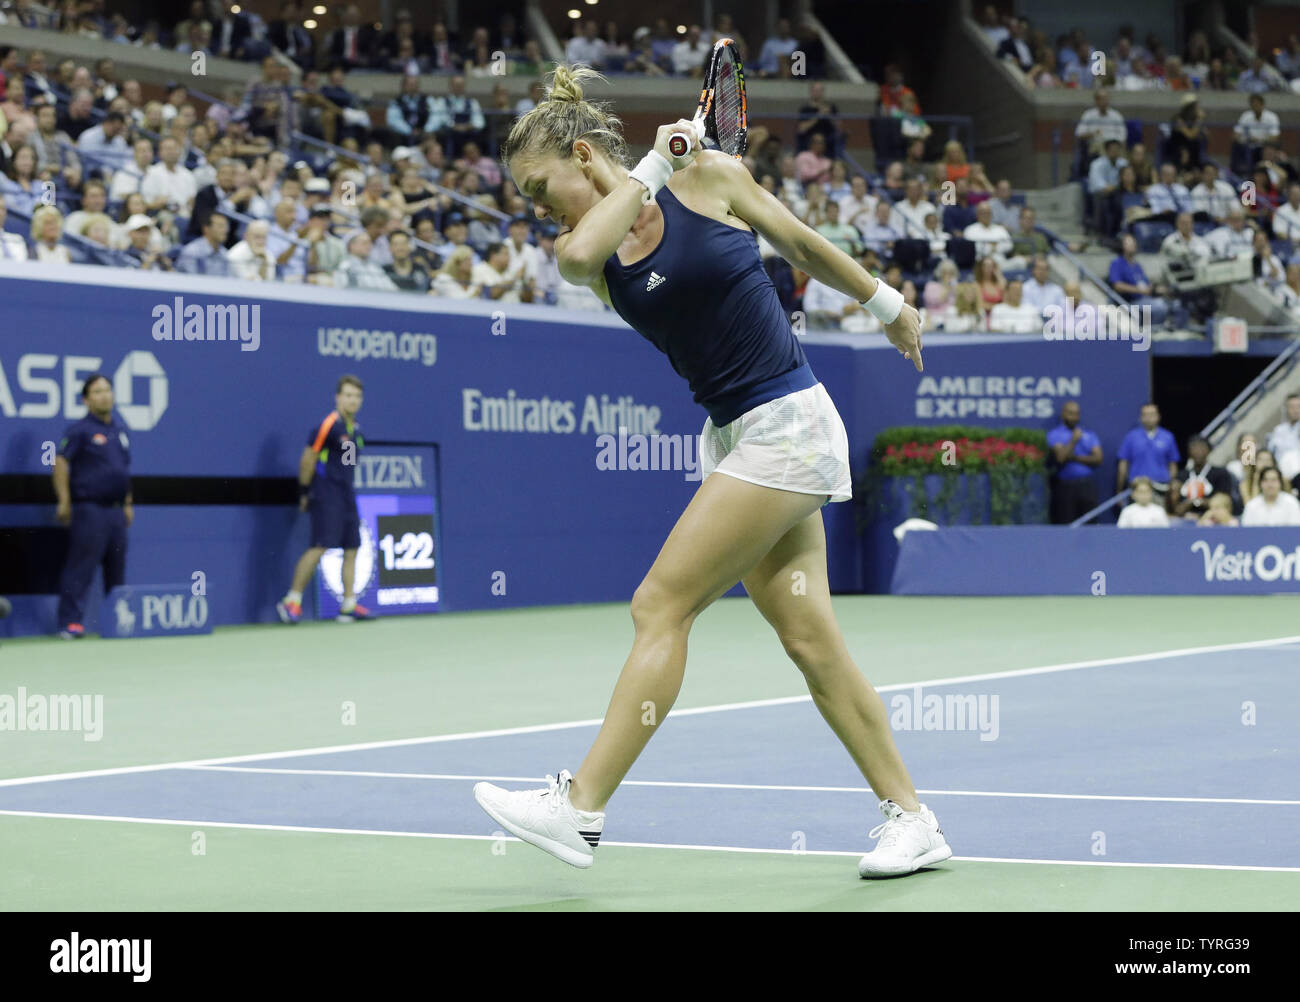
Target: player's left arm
x=806 y=249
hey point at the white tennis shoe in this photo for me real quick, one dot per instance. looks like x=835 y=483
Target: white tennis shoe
x=907 y=843
x=545 y=818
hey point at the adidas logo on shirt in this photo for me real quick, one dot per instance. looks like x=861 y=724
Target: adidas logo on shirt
x=656 y=280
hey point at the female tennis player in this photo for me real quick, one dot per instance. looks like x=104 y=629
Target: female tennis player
x=674 y=252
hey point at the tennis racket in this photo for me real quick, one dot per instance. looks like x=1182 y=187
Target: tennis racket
x=720 y=121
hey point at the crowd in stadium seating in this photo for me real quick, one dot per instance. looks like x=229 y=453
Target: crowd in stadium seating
x=1261 y=487
x=222 y=28
x=1071 y=60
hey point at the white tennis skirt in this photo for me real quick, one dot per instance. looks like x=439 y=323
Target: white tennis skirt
x=793 y=443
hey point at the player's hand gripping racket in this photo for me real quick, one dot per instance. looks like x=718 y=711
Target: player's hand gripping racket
x=720 y=120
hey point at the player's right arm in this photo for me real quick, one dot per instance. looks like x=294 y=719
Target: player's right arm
x=306 y=470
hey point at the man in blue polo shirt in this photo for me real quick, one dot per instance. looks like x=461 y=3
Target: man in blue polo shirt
x=1076 y=454
x=1148 y=451
x=92 y=482
x=325 y=487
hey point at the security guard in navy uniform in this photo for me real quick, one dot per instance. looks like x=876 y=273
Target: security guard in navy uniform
x=92 y=481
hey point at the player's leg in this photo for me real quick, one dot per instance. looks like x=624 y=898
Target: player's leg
x=725 y=530
x=114 y=560
x=350 y=610
x=306 y=567
x=349 y=575
x=790 y=588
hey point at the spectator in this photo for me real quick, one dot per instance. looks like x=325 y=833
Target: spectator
x=20 y=186
x=782 y=43
x=1267 y=266
x=1148 y=451
x=1257 y=126
x=524 y=257
x=1167 y=198
x=1101 y=123
x=842 y=235
x=491 y=274
x=232 y=33
x=829 y=309
x=617 y=51
x=1187 y=133
x=991 y=24
x=1257 y=79
x=1213 y=196
x=106 y=143
x=1075 y=455
x=1239 y=467
x=968 y=315
x=1005 y=212
x=47 y=232
x=1143 y=169
x=913 y=126
x=359 y=270
x=992 y=286
x=1176 y=76
x=36 y=85
x=817 y=116
x=1027 y=242
x=1132 y=205
x=49 y=141
x=251 y=259
x=1126 y=275
x=960 y=213
x=908 y=216
x=1234 y=238
x=663 y=43
x=1284 y=440
x=1286 y=221
x=893 y=91
x=79 y=115
x=325 y=252
x=937 y=237
x=488 y=170
x=289 y=36
x=586 y=45
x=284 y=245
x=1040 y=291
x=954 y=166
x=880 y=234
x=1015 y=47
x=140 y=236
x=94 y=199
x=987 y=236
x=455 y=280
x=405 y=272
x=1182 y=249
x=689 y=54
x=1273 y=505
x=1218 y=512
x=1249 y=486
x=352 y=45
x=940 y=293
x=1144 y=512
x=1013 y=315
x=460 y=117
x=1200 y=482
x=409 y=113
x=12 y=246
x=813 y=164
x=483 y=230
x=1103 y=186
x=207 y=255
x=167 y=184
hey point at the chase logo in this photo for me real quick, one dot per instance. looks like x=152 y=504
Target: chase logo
x=43 y=386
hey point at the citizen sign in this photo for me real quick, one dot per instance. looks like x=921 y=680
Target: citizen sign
x=1268 y=563
x=389 y=472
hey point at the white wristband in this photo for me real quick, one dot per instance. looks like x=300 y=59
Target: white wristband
x=886 y=304
x=653 y=171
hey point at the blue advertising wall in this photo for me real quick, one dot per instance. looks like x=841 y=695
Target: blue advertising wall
x=514 y=400
x=1101 y=560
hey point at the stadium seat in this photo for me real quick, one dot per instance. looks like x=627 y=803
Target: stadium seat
x=1204 y=226
x=1150 y=236
x=1017 y=275
x=1133 y=131
x=887 y=139
x=912 y=255
x=1282 y=248
x=962 y=252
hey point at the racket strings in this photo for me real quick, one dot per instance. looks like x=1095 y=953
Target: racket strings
x=728 y=108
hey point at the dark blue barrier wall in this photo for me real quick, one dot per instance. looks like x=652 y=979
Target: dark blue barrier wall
x=1054 y=560
x=525 y=499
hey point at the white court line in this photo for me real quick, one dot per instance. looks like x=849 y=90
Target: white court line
x=623 y=845
x=538 y=728
x=742 y=786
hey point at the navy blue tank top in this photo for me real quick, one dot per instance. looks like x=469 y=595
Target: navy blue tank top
x=703 y=298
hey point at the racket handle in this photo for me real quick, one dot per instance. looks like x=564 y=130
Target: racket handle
x=679 y=143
